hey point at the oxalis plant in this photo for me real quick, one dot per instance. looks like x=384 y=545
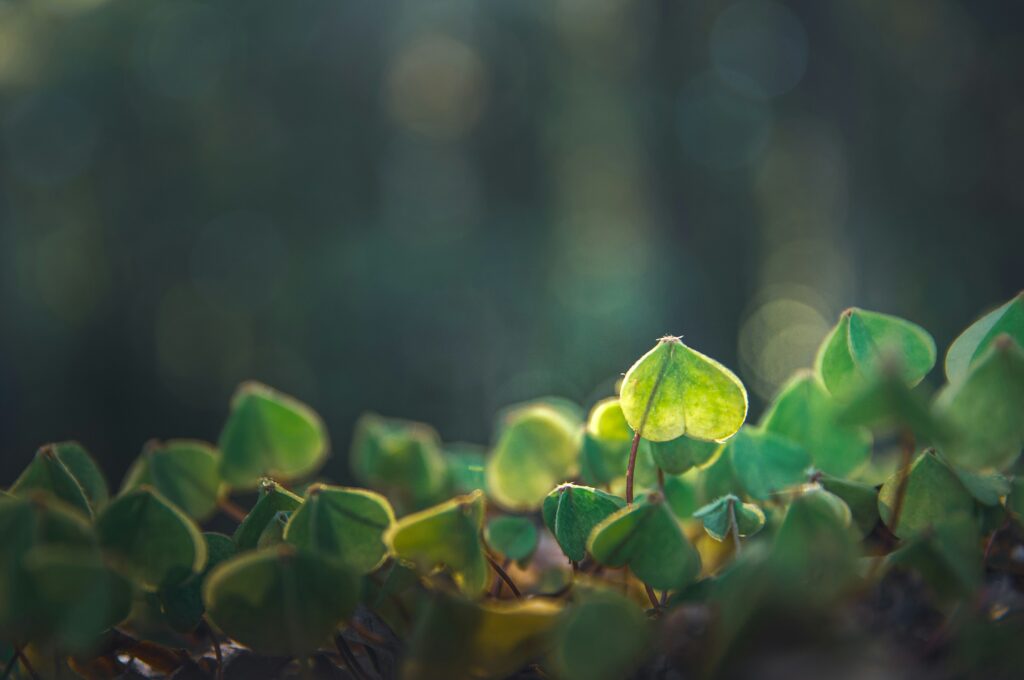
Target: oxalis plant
x=657 y=535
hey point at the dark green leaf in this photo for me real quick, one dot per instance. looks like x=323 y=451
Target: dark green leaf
x=933 y=494
x=513 y=537
x=47 y=472
x=400 y=458
x=718 y=517
x=273 y=498
x=572 y=511
x=973 y=342
x=765 y=463
x=186 y=472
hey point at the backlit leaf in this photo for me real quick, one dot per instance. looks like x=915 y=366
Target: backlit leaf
x=269 y=434
x=717 y=517
x=765 y=463
x=674 y=390
x=445 y=536
x=273 y=498
x=344 y=523
x=48 y=473
x=513 y=537
x=537 y=449
x=572 y=511
x=186 y=472
x=400 y=458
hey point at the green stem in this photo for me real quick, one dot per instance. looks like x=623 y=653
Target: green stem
x=907 y=443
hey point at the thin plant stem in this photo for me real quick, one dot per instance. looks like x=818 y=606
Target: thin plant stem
x=216 y=648
x=734 y=527
x=10 y=666
x=631 y=466
x=504 y=577
x=661 y=481
x=498 y=581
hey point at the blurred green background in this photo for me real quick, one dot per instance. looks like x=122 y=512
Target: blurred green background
x=433 y=209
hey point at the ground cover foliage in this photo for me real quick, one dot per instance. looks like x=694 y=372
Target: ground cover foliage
x=863 y=527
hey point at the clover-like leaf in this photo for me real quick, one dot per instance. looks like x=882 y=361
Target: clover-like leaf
x=185 y=471
x=804 y=413
x=933 y=493
x=600 y=637
x=269 y=434
x=344 y=523
x=572 y=511
x=987 y=488
x=400 y=458
x=864 y=342
x=718 y=517
x=48 y=473
x=150 y=540
x=648 y=539
x=182 y=604
x=281 y=601
x=537 y=448
x=606 y=442
x=448 y=536
x=885 y=401
x=513 y=537
x=85 y=471
x=984 y=408
x=765 y=463
x=979 y=336
x=681 y=496
x=674 y=390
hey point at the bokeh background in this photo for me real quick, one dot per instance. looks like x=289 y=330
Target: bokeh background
x=433 y=209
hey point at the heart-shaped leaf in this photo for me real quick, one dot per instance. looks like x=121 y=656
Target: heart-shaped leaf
x=933 y=493
x=344 y=523
x=281 y=600
x=513 y=537
x=572 y=511
x=85 y=471
x=602 y=636
x=269 y=434
x=864 y=342
x=273 y=498
x=885 y=401
x=674 y=390
x=185 y=471
x=606 y=443
x=987 y=488
x=718 y=517
x=537 y=448
x=973 y=342
x=48 y=473
x=150 y=540
x=804 y=413
x=765 y=463
x=984 y=408
x=448 y=536
x=648 y=539
x=400 y=458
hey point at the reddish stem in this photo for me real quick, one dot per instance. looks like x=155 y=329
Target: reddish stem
x=631 y=466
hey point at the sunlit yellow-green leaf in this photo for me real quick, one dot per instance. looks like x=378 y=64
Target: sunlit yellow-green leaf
x=537 y=449
x=674 y=390
x=445 y=536
x=269 y=434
